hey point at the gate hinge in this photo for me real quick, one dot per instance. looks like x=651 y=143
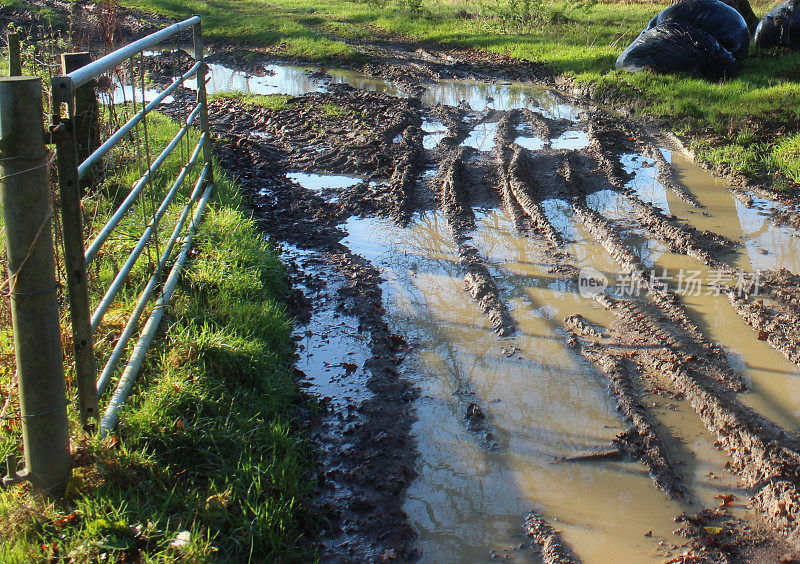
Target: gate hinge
x=12 y=476
x=57 y=132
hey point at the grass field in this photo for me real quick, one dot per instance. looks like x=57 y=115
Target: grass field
x=748 y=124
x=208 y=463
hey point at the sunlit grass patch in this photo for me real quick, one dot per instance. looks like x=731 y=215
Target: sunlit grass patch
x=269 y=101
x=207 y=463
x=785 y=157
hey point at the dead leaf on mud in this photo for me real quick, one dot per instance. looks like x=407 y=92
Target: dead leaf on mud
x=713 y=530
x=349 y=367
x=726 y=499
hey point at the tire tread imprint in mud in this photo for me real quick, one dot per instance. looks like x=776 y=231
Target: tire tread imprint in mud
x=459 y=216
x=549 y=541
x=763 y=455
x=642 y=442
x=681 y=331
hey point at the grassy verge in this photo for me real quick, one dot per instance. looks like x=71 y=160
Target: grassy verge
x=207 y=463
x=746 y=125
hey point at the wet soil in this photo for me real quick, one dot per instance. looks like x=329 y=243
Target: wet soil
x=86 y=24
x=649 y=345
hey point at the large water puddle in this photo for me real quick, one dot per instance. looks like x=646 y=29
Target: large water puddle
x=542 y=400
x=474 y=95
x=765 y=244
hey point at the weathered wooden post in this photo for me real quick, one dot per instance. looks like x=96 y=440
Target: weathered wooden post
x=32 y=285
x=14 y=57
x=85 y=114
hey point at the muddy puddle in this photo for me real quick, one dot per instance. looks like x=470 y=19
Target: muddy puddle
x=765 y=245
x=478 y=96
x=542 y=402
x=496 y=415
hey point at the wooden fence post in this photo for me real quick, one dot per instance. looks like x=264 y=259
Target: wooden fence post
x=202 y=98
x=85 y=115
x=14 y=57
x=75 y=263
x=32 y=285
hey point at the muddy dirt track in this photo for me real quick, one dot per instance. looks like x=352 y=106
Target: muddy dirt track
x=436 y=209
x=481 y=167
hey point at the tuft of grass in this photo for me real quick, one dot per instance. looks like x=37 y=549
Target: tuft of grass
x=785 y=158
x=207 y=463
x=269 y=101
x=333 y=110
x=739 y=158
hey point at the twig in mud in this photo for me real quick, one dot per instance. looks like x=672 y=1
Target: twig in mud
x=641 y=441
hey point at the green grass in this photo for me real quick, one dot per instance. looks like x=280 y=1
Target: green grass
x=50 y=16
x=207 y=464
x=578 y=40
x=269 y=101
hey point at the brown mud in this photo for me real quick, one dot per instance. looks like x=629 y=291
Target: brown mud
x=553 y=548
x=653 y=343
x=772 y=307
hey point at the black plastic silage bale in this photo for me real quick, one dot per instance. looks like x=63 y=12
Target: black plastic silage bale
x=673 y=48
x=780 y=27
x=719 y=20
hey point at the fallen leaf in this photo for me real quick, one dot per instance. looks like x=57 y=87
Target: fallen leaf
x=67 y=519
x=726 y=499
x=713 y=530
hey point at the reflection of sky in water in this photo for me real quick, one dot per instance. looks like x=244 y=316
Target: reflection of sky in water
x=328 y=340
x=559 y=213
x=644 y=181
x=542 y=400
x=781 y=244
x=294 y=80
x=287 y=79
x=433 y=132
x=316 y=182
x=530 y=143
x=124 y=93
x=571 y=140
x=482 y=136
x=483 y=95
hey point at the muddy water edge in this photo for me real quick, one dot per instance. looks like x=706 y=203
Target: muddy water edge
x=473 y=404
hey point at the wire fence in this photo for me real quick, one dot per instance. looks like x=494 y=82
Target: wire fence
x=128 y=191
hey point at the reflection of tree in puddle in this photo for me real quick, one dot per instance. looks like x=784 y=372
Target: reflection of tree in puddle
x=542 y=400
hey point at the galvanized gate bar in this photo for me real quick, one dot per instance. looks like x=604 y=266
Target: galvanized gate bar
x=108 y=228
x=111 y=415
x=125 y=129
x=144 y=298
x=104 y=64
x=122 y=275
x=71 y=173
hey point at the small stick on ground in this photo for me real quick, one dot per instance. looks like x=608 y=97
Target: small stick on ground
x=641 y=441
